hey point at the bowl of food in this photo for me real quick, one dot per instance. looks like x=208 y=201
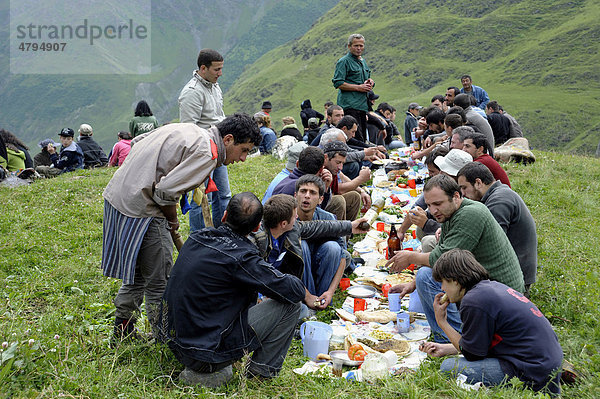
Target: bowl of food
x=361 y=291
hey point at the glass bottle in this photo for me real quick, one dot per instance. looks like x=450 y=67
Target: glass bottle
x=393 y=242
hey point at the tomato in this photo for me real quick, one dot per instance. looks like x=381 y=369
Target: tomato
x=402 y=185
x=360 y=355
x=353 y=349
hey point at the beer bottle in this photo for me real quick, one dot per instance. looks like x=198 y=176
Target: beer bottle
x=393 y=242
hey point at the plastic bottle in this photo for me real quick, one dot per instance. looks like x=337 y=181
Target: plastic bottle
x=372 y=213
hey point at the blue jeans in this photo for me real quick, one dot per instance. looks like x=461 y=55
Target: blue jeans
x=218 y=200
x=487 y=370
x=428 y=288
x=321 y=262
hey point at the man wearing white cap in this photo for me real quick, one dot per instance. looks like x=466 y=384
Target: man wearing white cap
x=93 y=154
x=451 y=163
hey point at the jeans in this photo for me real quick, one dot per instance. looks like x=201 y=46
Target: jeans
x=428 y=288
x=274 y=323
x=218 y=200
x=487 y=370
x=321 y=262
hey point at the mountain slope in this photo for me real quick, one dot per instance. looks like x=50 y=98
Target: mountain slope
x=38 y=106
x=538 y=59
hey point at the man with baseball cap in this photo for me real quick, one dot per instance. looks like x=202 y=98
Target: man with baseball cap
x=451 y=163
x=93 y=154
x=69 y=159
x=410 y=123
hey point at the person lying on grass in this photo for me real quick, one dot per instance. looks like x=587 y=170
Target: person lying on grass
x=504 y=334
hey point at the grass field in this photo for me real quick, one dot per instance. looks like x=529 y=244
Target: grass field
x=56 y=310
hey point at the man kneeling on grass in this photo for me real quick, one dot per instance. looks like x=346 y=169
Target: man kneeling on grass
x=212 y=318
x=504 y=335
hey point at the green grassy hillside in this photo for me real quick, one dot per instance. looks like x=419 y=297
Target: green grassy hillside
x=35 y=107
x=538 y=59
x=56 y=310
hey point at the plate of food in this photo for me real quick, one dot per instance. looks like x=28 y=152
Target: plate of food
x=361 y=291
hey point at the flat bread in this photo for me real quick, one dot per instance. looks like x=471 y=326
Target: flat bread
x=399 y=278
x=377 y=316
x=401 y=348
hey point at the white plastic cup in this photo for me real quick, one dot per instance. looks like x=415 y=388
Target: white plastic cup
x=403 y=322
x=394 y=302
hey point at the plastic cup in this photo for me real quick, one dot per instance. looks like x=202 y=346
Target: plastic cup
x=412 y=183
x=344 y=284
x=380 y=226
x=385 y=289
x=413 y=192
x=338 y=364
x=359 y=304
x=394 y=302
x=403 y=322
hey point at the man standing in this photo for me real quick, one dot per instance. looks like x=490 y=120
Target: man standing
x=478 y=184
x=476 y=145
x=469 y=88
x=201 y=102
x=352 y=78
x=410 y=123
x=210 y=301
x=140 y=213
x=93 y=154
x=467 y=225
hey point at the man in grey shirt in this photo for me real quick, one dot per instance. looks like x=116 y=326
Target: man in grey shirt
x=477 y=183
x=201 y=102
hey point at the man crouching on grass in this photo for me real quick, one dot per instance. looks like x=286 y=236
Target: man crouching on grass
x=212 y=318
x=504 y=335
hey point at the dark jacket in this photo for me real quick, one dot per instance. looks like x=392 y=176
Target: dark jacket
x=500 y=126
x=292 y=262
x=93 y=155
x=291 y=131
x=42 y=159
x=70 y=158
x=212 y=285
x=307 y=113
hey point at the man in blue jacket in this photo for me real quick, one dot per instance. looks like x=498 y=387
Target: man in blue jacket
x=469 y=88
x=69 y=159
x=212 y=318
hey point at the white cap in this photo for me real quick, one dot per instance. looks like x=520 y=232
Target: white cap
x=453 y=161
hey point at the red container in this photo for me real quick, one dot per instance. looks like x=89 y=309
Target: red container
x=344 y=284
x=412 y=183
x=385 y=289
x=359 y=304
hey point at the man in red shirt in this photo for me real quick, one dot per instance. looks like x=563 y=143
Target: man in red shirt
x=476 y=145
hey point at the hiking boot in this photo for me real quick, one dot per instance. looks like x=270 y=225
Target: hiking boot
x=209 y=380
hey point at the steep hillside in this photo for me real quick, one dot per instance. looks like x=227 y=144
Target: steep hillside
x=539 y=59
x=38 y=106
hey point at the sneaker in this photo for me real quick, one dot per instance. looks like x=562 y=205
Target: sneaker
x=209 y=380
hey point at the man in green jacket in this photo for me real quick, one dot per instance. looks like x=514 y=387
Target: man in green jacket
x=352 y=78
x=467 y=225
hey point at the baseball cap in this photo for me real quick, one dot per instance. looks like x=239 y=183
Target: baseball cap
x=67 y=132
x=293 y=153
x=372 y=96
x=414 y=106
x=85 y=129
x=44 y=143
x=453 y=162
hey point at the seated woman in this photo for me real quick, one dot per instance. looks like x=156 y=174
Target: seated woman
x=504 y=335
x=268 y=135
x=290 y=128
x=17 y=155
x=121 y=149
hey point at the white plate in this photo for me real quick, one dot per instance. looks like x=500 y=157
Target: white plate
x=361 y=291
